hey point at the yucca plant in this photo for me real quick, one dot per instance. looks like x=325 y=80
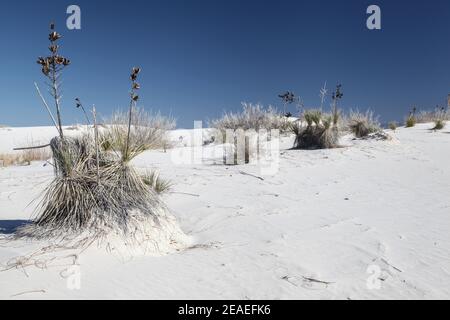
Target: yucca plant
x=439 y=124
x=411 y=120
x=363 y=124
x=320 y=132
x=252 y=117
x=440 y=118
x=94 y=191
x=313 y=117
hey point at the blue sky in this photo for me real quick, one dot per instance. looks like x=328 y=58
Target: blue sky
x=201 y=57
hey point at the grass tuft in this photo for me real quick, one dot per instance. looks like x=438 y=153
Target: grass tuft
x=148 y=131
x=393 y=125
x=252 y=117
x=363 y=124
x=439 y=124
x=410 y=121
x=158 y=184
x=320 y=131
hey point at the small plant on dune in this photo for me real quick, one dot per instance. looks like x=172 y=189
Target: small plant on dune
x=441 y=116
x=317 y=130
x=393 y=125
x=148 y=131
x=411 y=120
x=252 y=117
x=158 y=184
x=439 y=124
x=363 y=124
x=28 y=156
x=25 y=157
x=313 y=117
x=237 y=131
x=427 y=116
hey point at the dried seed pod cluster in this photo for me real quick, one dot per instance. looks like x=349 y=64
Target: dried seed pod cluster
x=338 y=94
x=135 y=85
x=54 y=62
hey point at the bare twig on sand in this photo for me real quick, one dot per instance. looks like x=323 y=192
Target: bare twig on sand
x=186 y=193
x=28 y=292
x=251 y=175
x=31 y=148
x=317 y=281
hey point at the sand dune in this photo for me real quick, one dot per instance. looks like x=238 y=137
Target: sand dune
x=368 y=220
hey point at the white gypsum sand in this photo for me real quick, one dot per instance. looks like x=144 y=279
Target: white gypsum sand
x=321 y=228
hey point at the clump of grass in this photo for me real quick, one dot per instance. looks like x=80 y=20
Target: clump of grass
x=411 y=120
x=25 y=157
x=363 y=124
x=313 y=117
x=158 y=184
x=320 y=131
x=427 y=116
x=439 y=124
x=238 y=131
x=393 y=125
x=252 y=117
x=148 y=131
x=441 y=116
x=28 y=156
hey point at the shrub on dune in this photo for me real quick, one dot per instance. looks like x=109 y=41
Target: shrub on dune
x=439 y=124
x=410 y=121
x=363 y=124
x=316 y=130
x=26 y=157
x=96 y=191
x=238 y=131
x=440 y=119
x=427 y=116
x=252 y=117
x=148 y=131
x=393 y=125
x=319 y=132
